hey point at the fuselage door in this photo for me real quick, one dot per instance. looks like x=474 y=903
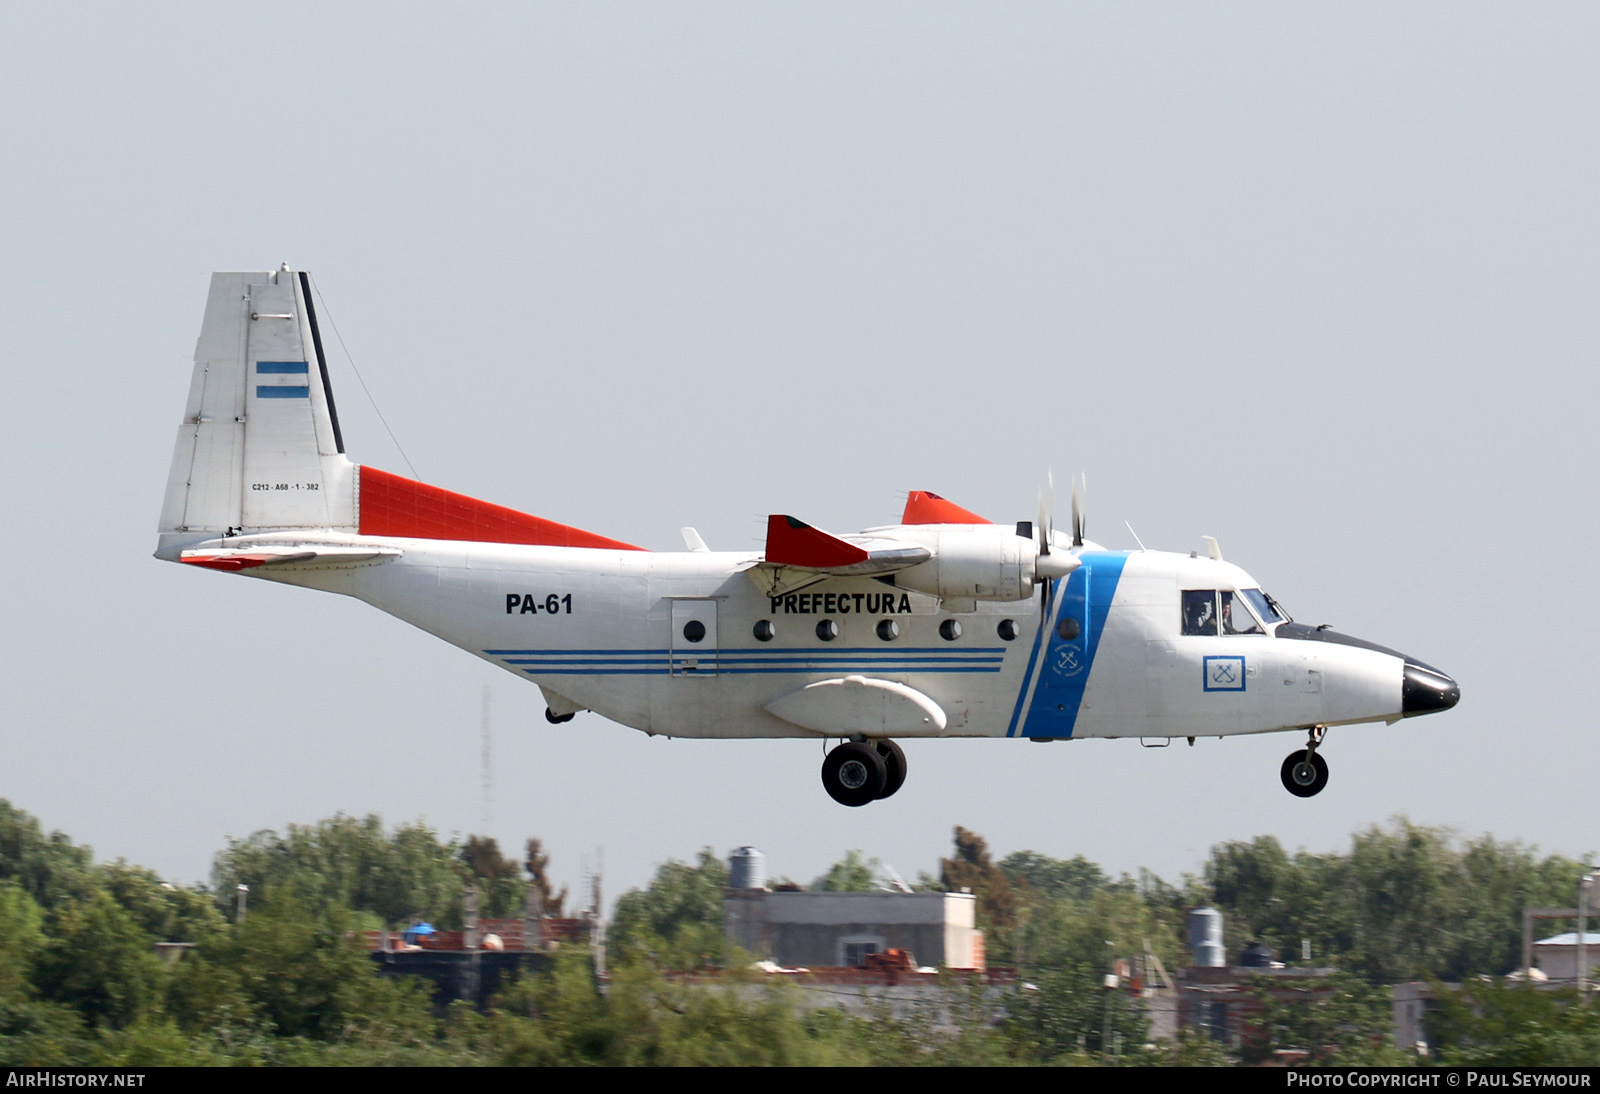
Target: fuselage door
x=692 y=649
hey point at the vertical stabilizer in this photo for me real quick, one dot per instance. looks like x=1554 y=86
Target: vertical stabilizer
x=259 y=448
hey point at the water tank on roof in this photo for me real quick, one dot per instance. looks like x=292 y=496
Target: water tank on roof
x=1205 y=938
x=747 y=869
x=1256 y=956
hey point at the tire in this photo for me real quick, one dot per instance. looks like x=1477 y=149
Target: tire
x=1304 y=779
x=894 y=767
x=854 y=774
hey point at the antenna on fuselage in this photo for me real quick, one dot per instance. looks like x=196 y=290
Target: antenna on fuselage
x=1136 y=538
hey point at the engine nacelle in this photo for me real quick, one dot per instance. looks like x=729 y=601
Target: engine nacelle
x=971 y=562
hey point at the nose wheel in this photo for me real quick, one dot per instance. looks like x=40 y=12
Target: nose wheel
x=858 y=772
x=1304 y=772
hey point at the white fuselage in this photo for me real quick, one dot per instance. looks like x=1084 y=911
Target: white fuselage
x=608 y=631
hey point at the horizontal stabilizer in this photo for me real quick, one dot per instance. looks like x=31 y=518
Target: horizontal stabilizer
x=248 y=558
x=926 y=507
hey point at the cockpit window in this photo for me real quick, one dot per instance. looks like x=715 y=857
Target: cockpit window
x=1266 y=607
x=1236 y=617
x=1200 y=611
x=1213 y=612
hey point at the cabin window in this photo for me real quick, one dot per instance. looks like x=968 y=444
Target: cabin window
x=1007 y=630
x=763 y=630
x=950 y=630
x=827 y=630
x=888 y=630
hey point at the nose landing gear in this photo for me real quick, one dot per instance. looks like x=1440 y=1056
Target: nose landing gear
x=1305 y=773
x=858 y=772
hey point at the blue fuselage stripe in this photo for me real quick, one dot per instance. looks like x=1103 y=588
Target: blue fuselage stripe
x=1066 y=664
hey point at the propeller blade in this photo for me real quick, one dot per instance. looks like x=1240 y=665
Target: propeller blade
x=1047 y=505
x=1077 y=511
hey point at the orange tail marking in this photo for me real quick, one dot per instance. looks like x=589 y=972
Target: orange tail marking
x=404 y=508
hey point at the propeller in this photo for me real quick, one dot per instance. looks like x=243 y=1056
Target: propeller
x=1049 y=567
x=1077 y=510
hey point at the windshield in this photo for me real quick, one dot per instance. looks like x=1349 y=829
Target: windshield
x=1266 y=607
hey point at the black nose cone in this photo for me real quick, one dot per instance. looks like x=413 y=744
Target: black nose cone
x=1426 y=690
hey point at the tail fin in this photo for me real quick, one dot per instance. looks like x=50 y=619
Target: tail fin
x=259 y=448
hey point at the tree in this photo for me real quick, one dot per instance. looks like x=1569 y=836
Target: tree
x=1494 y=1023
x=349 y=863
x=499 y=879
x=1076 y=877
x=678 y=918
x=970 y=869
x=851 y=874
x=1406 y=902
x=165 y=912
x=537 y=863
x=302 y=969
x=1338 y=1021
x=102 y=964
x=51 y=869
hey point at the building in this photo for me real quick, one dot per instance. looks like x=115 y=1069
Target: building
x=799 y=929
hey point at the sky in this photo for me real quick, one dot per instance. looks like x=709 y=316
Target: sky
x=1316 y=280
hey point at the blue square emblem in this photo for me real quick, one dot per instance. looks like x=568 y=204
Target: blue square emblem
x=1222 y=673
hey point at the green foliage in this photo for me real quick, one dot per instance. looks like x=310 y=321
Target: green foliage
x=40 y=1034
x=970 y=869
x=102 y=964
x=164 y=912
x=80 y=981
x=851 y=874
x=644 y=1018
x=300 y=968
x=537 y=863
x=675 y=923
x=1501 y=1024
x=50 y=869
x=1076 y=878
x=1190 y=1049
x=499 y=879
x=1407 y=902
x=1338 y=1020
x=1068 y=1011
x=22 y=940
x=352 y=864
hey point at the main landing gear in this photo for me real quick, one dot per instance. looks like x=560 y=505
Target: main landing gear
x=1305 y=773
x=858 y=772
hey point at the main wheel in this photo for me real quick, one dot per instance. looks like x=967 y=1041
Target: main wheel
x=1304 y=777
x=854 y=774
x=556 y=719
x=894 y=767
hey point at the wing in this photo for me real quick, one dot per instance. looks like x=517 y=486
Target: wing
x=798 y=555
